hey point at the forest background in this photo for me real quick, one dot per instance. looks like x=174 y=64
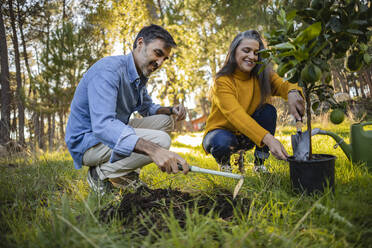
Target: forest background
x=46 y=47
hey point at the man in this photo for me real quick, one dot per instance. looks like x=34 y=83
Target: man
x=99 y=132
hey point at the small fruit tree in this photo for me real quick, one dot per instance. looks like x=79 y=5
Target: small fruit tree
x=308 y=39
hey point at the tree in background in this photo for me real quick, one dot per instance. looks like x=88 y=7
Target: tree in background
x=59 y=40
x=55 y=55
x=5 y=86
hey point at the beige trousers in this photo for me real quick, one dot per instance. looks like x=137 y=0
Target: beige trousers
x=153 y=128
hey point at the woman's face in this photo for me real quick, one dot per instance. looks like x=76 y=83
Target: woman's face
x=246 y=54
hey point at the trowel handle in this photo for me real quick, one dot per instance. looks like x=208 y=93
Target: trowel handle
x=212 y=172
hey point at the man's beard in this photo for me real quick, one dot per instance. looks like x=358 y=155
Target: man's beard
x=146 y=71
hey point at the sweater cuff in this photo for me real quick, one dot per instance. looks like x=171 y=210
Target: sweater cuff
x=293 y=88
x=261 y=144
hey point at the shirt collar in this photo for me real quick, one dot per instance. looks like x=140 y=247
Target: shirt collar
x=133 y=74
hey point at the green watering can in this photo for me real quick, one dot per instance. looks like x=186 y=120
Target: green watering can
x=360 y=148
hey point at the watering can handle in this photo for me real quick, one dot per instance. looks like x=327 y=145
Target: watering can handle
x=366 y=123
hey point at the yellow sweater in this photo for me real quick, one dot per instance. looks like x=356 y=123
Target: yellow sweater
x=234 y=101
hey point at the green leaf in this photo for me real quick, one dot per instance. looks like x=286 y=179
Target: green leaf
x=289 y=74
x=360 y=22
x=335 y=24
x=286 y=54
x=311 y=32
x=285 y=45
x=367 y=58
x=261 y=69
x=354 y=31
x=307 y=13
x=281 y=17
x=283 y=68
x=300 y=56
x=291 y=15
x=363 y=47
x=264 y=53
x=315 y=106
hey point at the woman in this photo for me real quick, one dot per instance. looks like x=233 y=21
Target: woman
x=240 y=116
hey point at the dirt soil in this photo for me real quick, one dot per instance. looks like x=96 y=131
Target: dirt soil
x=144 y=209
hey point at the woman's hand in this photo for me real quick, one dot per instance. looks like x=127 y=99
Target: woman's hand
x=296 y=105
x=276 y=148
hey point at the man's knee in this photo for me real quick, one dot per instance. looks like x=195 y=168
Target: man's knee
x=97 y=155
x=165 y=123
x=163 y=139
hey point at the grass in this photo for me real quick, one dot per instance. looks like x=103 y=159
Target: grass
x=44 y=202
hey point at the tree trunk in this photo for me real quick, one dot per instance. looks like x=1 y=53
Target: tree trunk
x=368 y=79
x=342 y=79
x=50 y=132
x=6 y=95
x=41 y=132
x=36 y=121
x=160 y=11
x=21 y=111
x=355 y=86
x=25 y=56
x=308 y=114
x=360 y=79
x=13 y=125
x=53 y=127
x=61 y=125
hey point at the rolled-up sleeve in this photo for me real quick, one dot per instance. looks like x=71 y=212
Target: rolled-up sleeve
x=148 y=107
x=102 y=97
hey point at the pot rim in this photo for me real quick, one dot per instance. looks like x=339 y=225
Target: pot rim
x=326 y=157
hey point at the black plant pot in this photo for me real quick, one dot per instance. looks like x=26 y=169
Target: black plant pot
x=312 y=175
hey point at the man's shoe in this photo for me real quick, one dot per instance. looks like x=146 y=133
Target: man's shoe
x=260 y=169
x=130 y=180
x=99 y=186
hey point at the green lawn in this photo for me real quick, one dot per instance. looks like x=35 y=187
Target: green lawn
x=45 y=202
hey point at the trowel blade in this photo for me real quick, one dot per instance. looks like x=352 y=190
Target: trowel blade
x=238 y=187
x=300 y=145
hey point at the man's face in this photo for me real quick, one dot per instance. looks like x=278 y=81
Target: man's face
x=151 y=56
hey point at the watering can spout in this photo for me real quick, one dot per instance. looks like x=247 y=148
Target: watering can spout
x=339 y=142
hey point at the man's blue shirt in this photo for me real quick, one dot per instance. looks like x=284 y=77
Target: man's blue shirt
x=109 y=92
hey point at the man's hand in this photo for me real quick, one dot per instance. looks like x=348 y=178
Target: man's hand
x=167 y=161
x=180 y=112
x=296 y=105
x=276 y=148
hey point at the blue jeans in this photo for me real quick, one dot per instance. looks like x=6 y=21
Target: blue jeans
x=221 y=143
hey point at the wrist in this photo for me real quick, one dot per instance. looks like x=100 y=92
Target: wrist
x=170 y=109
x=294 y=91
x=146 y=147
x=266 y=139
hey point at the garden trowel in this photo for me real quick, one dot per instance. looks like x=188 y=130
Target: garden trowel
x=218 y=173
x=300 y=142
